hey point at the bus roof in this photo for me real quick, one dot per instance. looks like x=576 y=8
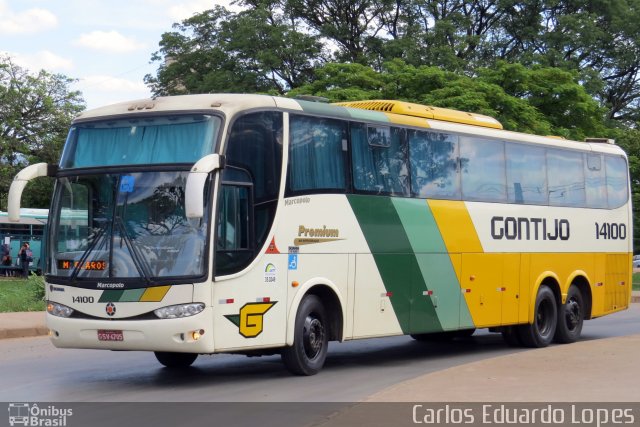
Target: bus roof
x=383 y=111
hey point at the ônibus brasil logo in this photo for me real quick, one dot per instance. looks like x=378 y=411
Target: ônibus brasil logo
x=27 y=414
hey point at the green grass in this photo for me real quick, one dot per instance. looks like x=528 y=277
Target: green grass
x=22 y=295
x=636 y=282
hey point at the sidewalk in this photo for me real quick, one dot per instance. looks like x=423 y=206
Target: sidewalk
x=603 y=370
x=22 y=324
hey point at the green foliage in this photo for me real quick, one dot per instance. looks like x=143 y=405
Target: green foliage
x=35 y=113
x=540 y=100
x=556 y=95
x=35 y=284
x=255 y=50
x=22 y=294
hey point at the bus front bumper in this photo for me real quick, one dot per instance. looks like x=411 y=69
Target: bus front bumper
x=192 y=334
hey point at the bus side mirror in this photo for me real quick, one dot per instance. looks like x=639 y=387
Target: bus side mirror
x=20 y=181
x=196 y=180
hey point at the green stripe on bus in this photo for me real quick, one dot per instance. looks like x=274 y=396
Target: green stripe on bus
x=132 y=295
x=396 y=262
x=368 y=115
x=435 y=263
x=322 y=109
x=111 y=296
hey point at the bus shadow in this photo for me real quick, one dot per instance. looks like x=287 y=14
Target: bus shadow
x=380 y=353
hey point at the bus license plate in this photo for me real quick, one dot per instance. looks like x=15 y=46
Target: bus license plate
x=108 y=335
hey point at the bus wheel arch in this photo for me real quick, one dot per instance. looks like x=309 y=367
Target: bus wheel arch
x=330 y=298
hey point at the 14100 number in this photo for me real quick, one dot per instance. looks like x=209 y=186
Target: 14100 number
x=611 y=231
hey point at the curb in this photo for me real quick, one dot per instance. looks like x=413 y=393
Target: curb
x=23 y=332
x=23 y=324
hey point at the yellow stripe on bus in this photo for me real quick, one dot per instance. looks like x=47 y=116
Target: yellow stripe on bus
x=154 y=294
x=456 y=227
x=398 y=119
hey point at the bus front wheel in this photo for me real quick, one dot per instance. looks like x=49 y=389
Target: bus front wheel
x=175 y=360
x=545 y=318
x=570 y=317
x=310 y=339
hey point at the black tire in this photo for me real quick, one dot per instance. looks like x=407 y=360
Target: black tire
x=570 y=317
x=175 y=360
x=545 y=318
x=443 y=336
x=310 y=339
x=511 y=336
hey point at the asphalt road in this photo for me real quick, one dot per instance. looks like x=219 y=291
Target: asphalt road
x=31 y=369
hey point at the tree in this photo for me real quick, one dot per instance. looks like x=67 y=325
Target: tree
x=257 y=50
x=540 y=100
x=35 y=113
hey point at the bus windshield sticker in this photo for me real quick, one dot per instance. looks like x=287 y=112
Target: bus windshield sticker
x=127 y=183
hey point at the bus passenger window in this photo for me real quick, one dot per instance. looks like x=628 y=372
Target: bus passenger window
x=379 y=156
x=566 y=178
x=595 y=181
x=526 y=174
x=316 y=155
x=434 y=165
x=616 y=181
x=482 y=170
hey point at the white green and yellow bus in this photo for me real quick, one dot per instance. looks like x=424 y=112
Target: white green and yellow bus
x=254 y=224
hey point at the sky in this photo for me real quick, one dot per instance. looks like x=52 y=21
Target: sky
x=105 y=44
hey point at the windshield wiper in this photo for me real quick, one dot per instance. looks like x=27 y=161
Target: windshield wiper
x=138 y=261
x=99 y=234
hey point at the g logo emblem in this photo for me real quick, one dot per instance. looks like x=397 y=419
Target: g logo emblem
x=250 y=321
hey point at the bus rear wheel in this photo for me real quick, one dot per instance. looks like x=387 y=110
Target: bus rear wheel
x=175 y=360
x=545 y=318
x=570 y=317
x=310 y=340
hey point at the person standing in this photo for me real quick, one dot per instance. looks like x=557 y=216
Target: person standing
x=25 y=256
x=5 y=253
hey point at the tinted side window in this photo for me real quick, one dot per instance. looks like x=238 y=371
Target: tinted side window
x=566 y=178
x=316 y=154
x=483 y=170
x=616 y=181
x=526 y=174
x=595 y=181
x=379 y=159
x=434 y=164
x=249 y=194
x=255 y=145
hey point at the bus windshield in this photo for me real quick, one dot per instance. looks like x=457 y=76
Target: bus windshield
x=140 y=141
x=125 y=226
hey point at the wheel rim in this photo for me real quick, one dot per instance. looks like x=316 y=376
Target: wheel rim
x=543 y=318
x=313 y=336
x=572 y=314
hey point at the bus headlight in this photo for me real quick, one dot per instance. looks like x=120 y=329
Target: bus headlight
x=179 y=311
x=59 y=310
